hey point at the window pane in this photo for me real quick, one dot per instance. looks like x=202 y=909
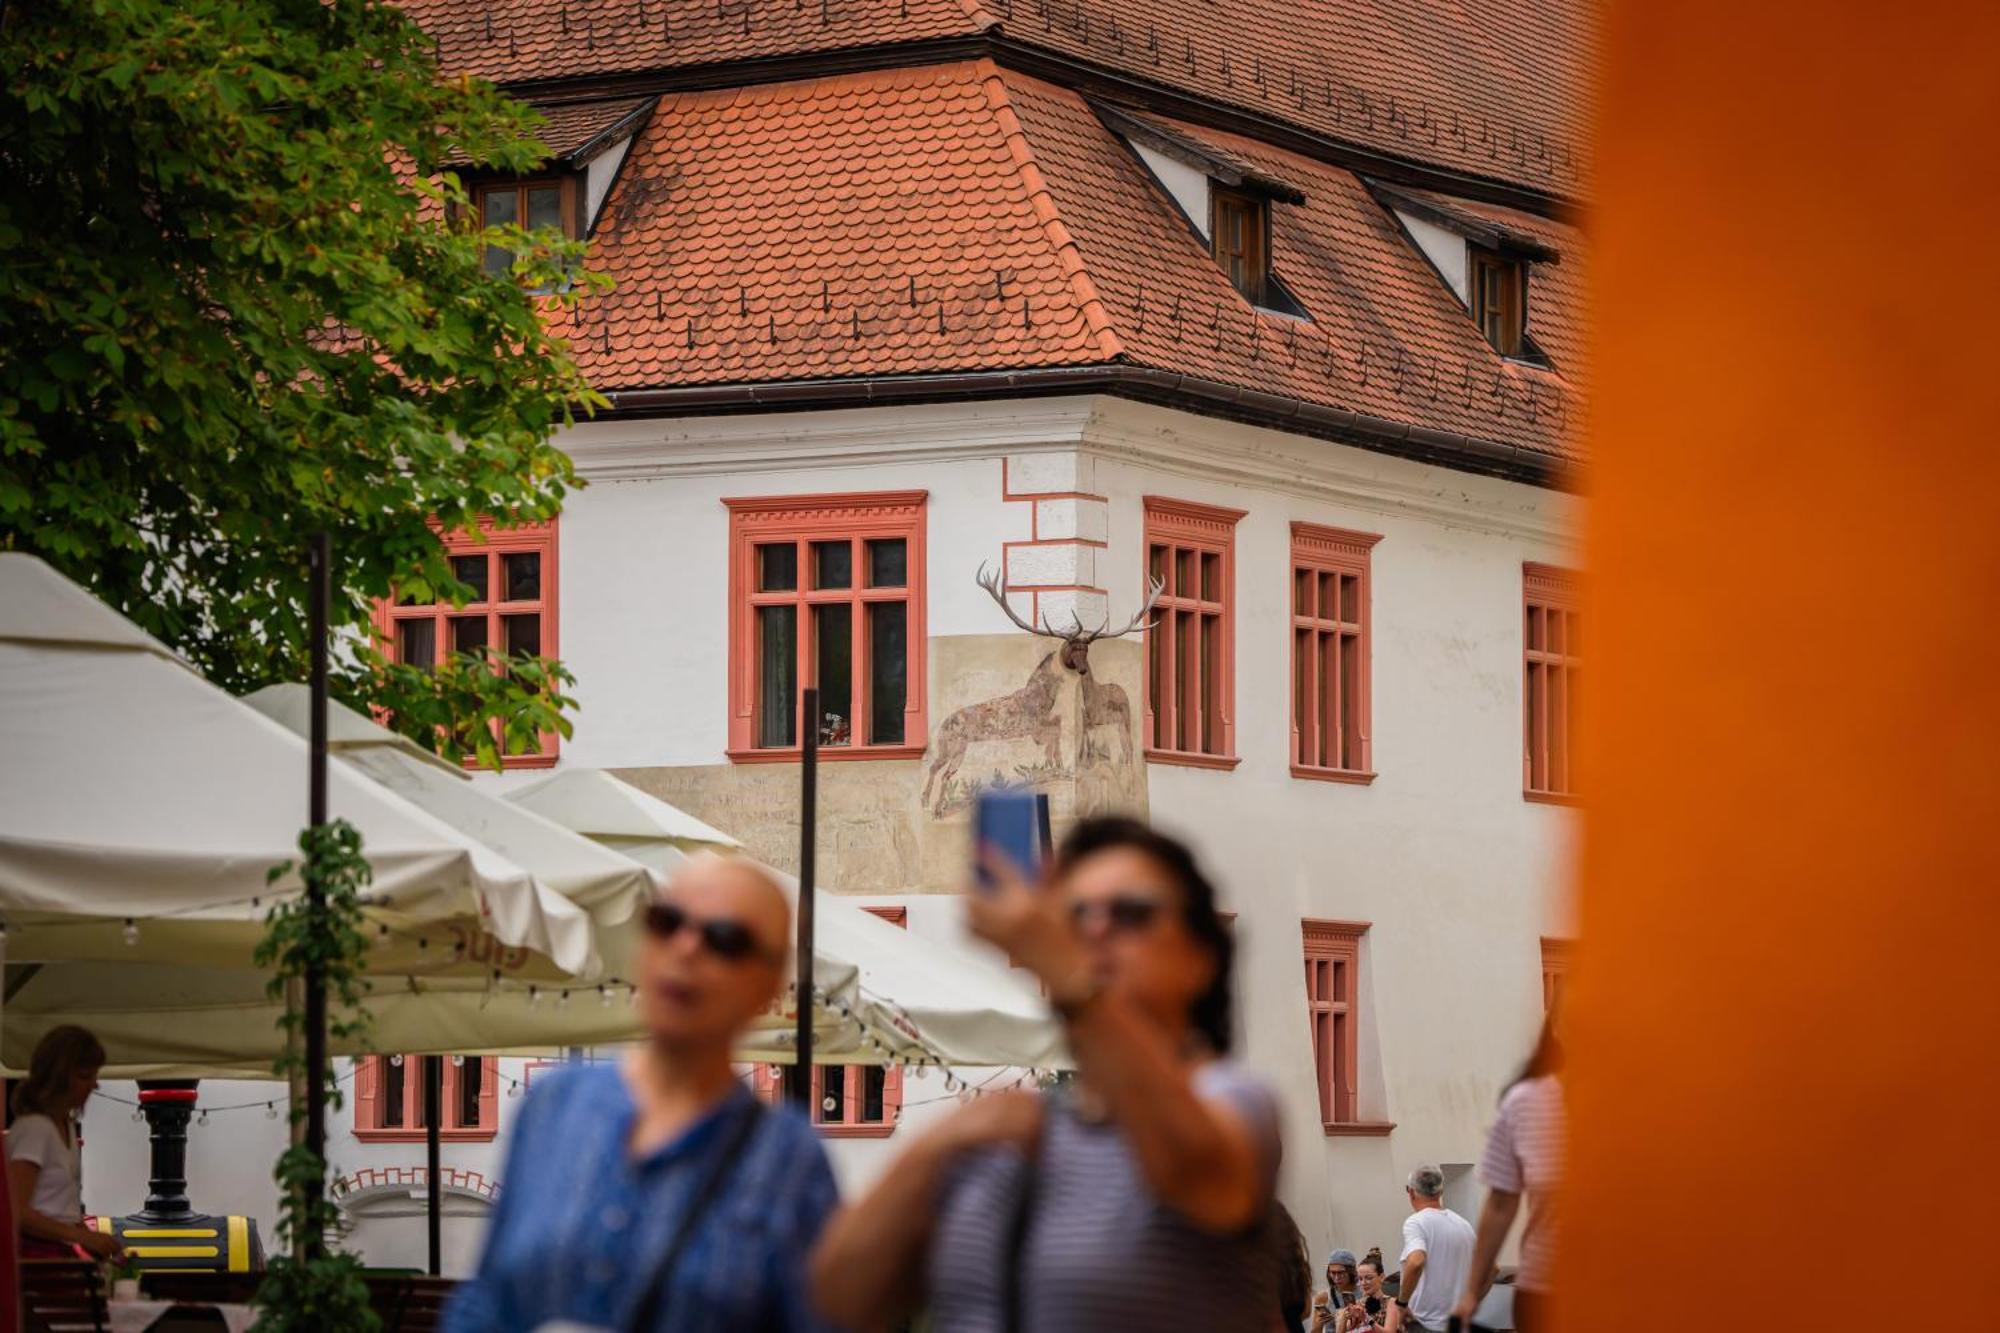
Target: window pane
x=777 y=673
x=1553 y=631
x=523 y=570
x=503 y=207
x=1329 y=700
x=545 y=206
x=833 y=564
x=832 y=1106
x=500 y=207
x=1302 y=591
x=777 y=568
x=1535 y=628
x=1302 y=697
x=1211 y=578
x=1350 y=701
x=874 y=1083
x=833 y=660
x=392 y=1088
x=1211 y=684
x=468 y=633
x=888 y=563
x=1156 y=565
x=1537 y=754
x=1184 y=581
x=471 y=1082
x=416 y=642
x=888 y=670
x=471 y=571
x=1156 y=656
x=1350 y=599
x=1185 y=679
x=523 y=634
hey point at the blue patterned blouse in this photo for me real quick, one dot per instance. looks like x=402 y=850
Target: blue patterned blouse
x=581 y=1224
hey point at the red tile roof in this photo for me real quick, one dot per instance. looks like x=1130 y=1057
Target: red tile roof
x=571 y=126
x=885 y=223
x=1384 y=336
x=1493 y=88
x=961 y=218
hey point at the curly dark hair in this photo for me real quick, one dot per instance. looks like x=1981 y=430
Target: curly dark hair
x=1212 y=1012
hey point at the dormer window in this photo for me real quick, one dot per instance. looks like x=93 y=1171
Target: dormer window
x=528 y=204
x=1226 y=198
x=1499 y=300
x=1240 y=231
x=1482 y=256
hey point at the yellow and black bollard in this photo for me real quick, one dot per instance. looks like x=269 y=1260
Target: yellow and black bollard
x=168 y=1234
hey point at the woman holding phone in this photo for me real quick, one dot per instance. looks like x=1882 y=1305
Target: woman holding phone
x=1140 y=1200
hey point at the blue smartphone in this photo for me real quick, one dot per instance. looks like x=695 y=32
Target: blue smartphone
x=1009 y=821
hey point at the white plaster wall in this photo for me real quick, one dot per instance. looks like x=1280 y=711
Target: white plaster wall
x=599 y=173
x=1457 y=874
x=1445 y=249
x=1187 y=185
x=645 y=581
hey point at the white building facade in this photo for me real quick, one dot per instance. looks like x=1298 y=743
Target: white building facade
x=1443 y=873
x=1287 y=312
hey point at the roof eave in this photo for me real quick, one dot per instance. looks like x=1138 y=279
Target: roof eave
x=1425 y=444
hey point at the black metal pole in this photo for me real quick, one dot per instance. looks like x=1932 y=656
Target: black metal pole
x=799 y=1086
x=434 y=1117
x=319 y=566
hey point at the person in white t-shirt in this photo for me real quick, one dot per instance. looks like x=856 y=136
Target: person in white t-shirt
x=1437 y=1251
x=42 y=1150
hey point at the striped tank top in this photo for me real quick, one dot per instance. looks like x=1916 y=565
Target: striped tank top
x=1101 y=1254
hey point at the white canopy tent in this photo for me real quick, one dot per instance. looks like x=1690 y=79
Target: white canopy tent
x=608 y=885
x=885 y=994
x=141 y=809
x=136 y=790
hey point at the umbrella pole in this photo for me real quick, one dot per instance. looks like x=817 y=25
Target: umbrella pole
x=799 y=1087
x=318 y=564
x=433 y=1115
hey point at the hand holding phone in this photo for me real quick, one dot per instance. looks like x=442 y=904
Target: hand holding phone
x=1006 y=821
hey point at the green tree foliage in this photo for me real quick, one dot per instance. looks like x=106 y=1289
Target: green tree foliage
x=239 y=302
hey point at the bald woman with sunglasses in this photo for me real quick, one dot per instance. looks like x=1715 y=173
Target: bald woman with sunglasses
x=658 y=1193
x=1143 y=1200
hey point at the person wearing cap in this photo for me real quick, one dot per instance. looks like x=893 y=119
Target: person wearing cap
x=1341 y=1290
x=1437 y=1253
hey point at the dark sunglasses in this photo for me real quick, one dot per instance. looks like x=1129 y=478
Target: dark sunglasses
x=727 y=939
x=1123 y=914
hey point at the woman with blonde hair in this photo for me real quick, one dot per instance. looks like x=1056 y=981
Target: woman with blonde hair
x=43 y=1171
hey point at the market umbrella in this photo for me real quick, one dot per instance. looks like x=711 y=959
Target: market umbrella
x=885 y=994
x=141 y=809
x=597 y=878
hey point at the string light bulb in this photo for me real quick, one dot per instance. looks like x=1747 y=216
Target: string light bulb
x=603 y=997
x=534 y=997
x=562 y=1000
x=131 y=931
x=270 y=1110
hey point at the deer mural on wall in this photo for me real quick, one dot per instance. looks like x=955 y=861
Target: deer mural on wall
x=1030 y=713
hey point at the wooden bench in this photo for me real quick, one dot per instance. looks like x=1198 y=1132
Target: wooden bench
x=63 y=1296
x=409 y=1303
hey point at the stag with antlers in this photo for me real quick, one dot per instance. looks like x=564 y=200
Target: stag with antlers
x=1076 y=640
x=1029 y=713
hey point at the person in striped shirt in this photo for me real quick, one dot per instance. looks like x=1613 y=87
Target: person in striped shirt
x=1523 y=1158
x=1142 y=1200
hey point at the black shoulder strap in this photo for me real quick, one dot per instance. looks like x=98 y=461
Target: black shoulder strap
x=659 y=1288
